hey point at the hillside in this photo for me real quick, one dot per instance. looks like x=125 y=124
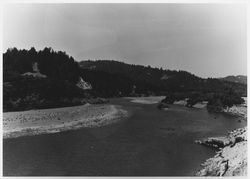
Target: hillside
x=154 y=76
x=161 y=81
x=46 y=78
x=40 y=79
x=236 y=79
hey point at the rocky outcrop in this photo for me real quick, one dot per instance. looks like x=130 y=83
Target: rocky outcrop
x=217 y=142
x=239 y=110
x=231 y=159
x=83 y=84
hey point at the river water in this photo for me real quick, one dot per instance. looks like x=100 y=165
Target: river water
x=151 y=142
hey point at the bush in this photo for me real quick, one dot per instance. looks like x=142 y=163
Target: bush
x=218 y=101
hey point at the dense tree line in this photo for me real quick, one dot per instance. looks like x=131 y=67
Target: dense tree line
x=25 y=92
x=176 y=80
x=217 y=100
x=228 y=98
x=108 y=79
x=161 y=81
x=176 y=85
x=55 y=65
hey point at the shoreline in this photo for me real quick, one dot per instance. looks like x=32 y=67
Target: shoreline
x=145 y=100
x=231 y=157
x=45 y=121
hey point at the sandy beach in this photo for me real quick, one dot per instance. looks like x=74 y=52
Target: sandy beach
x=146 y=100
x=54 y=120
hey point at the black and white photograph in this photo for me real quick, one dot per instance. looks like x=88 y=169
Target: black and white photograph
x=124 y=89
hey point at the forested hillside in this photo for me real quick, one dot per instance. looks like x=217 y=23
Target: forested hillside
x=46 y=78
x=175 y=85
x=39 y=79
x=161 y=81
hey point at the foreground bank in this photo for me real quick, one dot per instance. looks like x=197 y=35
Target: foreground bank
x=35 y=122
x=231 y=157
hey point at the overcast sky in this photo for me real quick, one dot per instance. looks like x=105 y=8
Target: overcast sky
x=208 y=40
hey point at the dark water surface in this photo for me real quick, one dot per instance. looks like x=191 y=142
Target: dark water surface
x=149 y=143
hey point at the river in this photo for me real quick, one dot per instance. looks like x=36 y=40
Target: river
x=151 y=142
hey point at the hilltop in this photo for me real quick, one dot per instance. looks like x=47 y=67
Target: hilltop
x=236 y=79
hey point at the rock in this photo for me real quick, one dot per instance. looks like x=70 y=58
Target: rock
x=83 y=84
x=238 y=110
x=231 y=159
x=236 y=140
x=217 y=142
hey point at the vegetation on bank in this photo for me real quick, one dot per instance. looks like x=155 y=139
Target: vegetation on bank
x=175 y=85
x=54 y=82
x=217 y=101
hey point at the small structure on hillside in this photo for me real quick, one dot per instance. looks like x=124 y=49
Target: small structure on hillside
x=36 y=72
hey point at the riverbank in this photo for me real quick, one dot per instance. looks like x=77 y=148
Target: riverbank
x=33 y=122
x=237 y=110
x=231 y=157
x=149 y=142
x=146 y=100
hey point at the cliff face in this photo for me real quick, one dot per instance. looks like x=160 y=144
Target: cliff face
x=231 y=159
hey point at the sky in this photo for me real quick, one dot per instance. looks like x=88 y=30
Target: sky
x=208 y=40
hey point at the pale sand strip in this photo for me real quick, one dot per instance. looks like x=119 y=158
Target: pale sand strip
x=146 y=100
x=35 y=122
